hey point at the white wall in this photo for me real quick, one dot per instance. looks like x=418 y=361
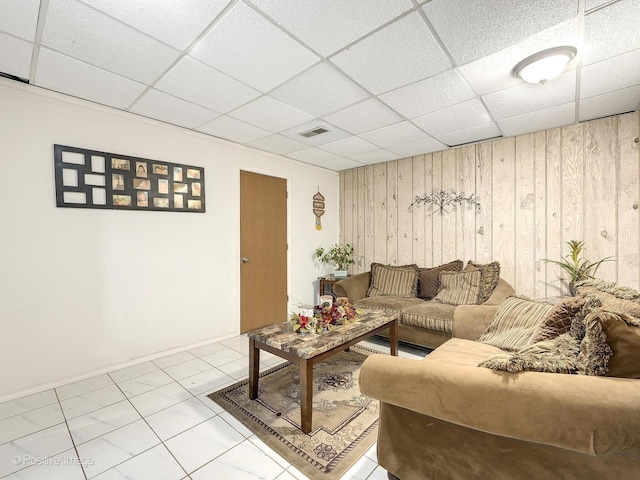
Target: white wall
x=85 y=290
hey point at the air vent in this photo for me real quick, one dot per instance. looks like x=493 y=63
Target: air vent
x=313 y=132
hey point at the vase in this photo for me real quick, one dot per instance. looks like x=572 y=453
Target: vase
x=340 y=273
x=572 y=289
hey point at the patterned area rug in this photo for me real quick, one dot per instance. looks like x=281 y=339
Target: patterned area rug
x=345 y=422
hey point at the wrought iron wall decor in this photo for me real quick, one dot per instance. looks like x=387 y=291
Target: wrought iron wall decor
x=440 y=200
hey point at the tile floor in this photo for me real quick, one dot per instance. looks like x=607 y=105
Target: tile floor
x=151 y=421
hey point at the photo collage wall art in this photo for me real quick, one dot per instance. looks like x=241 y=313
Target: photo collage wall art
x=93 y=179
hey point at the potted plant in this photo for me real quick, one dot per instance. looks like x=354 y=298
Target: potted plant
x=578 y=267
x=340 y=256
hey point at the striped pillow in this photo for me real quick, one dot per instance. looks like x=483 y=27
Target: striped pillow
x=461 y=288
x=395 y=281
x=514 y=323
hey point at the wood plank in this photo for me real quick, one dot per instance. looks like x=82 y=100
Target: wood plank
x=341 y=179
x=484 y=190
x=360 y=224
x=428 y=221
x=525 y=207
x=419 y=247
x=449 y=234
x=554 y=215
x=573 y=183
x=540 y=215
x=348 y=206
x=465 y=213
x=405 y=217
x=380 y=213
x=392 y=212
x=436 y=220
x=504 y=207
x=369 y=227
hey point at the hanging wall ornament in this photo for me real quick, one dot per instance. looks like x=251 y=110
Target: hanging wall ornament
x=318 y=208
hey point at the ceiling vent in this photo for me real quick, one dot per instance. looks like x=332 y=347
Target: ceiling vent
x=314 y=131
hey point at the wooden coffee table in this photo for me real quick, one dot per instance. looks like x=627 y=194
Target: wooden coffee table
x=305 y=350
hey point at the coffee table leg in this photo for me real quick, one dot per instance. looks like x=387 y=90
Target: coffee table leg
x=254 y=369
x=306 y=394
x=393 y=337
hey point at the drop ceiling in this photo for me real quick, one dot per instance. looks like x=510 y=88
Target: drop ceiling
x=387 y=79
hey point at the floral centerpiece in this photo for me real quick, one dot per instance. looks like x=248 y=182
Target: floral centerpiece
x=323 y=317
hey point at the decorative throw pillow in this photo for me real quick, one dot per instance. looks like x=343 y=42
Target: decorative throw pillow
x=490 y=276
x=399 y=281
x=429 y=278
x=461 y=288
x=558 y=321
x=514 y=323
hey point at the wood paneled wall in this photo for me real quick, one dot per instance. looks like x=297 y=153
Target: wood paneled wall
x=537 y=191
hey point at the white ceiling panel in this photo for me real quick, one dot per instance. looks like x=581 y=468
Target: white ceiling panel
x=471 y=29
x=493 y=72
x=417 y=99
x=273 y=115
x=177 y=25
x=234 y=130
x=332 y=135
x=313 y=155
x=330 y=25
x=162 y=106
x=377 y=156
x=403 y=132
x=201 y=84
x=528 y=97
x=67 y=75
x=342 y=164
x=399 y=54
x=613 y=74
x=457 y=117
x=248 y=47
x=79 y=31
x=611 y=31
x=349 y=146
x=553 y=117
x=471 y=134
x=15 y=56
x=591 y=4
x=20 y=18
x=620 y=101
x=364 y=116
x=426 y=145
x=278 y=144
x=320 y=90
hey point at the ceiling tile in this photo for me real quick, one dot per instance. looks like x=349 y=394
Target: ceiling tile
x=403 y=132
x=591 y=4
x=471 y=29
x=67 y=75
x=313 y=155
x=320 y=90
x=426 y=145
x=271 y=114
x=232 y=129
x=529 y=97
x=330 y=25
x=457 y=117
x=202 y=85
x=250 y=48
x=611 y=31
x=364 y=116
x=20 y=18
x=377 y=156
x=612 y=74
x=620 y=101
x=349 y=146
x=332 y=135
x=553 y=117
x=176 y=26
x=493 y=72
x=342 y=164
x=397 y=55
x=278 y=144
x=15 y=56
x=161 y=106
x=81 y=32
x=420 y=98
x=471 y=134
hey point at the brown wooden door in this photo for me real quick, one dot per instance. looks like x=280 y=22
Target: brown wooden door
x=263 y=250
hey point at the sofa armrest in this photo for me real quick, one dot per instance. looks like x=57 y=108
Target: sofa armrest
x=470 y=321
x=354 y=287
x=500 y=293
x=591 y=415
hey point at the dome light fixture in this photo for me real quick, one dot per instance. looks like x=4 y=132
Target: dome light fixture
x=545 y=65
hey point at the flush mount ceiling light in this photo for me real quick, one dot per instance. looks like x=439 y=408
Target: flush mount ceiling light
x=544 y=65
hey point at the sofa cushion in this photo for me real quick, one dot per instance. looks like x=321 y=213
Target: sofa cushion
x=429 y=315
x=388 y=302
x=558 y=320
x=459 y=288
x=514 y=323
x=490 y=276
x=429 y=278
x=399 y=281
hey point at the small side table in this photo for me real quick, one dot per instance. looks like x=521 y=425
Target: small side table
x=327 y=281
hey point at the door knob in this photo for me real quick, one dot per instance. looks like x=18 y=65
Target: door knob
x=245 y=260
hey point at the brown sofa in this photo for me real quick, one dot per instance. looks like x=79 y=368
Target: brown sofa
x=426 y=323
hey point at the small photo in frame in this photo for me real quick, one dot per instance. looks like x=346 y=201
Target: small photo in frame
x=120 y=164
x=122 y=200
x=141 y=169
x=194 y=204
x=142 y=184
x=142 y=199
x=177 y=174
x=193 y=173
x=160 y=169
x=180 y=188
x=163 y=186
x=195 y=189
x=178 y=201
x=117 y=181
x=161 y=202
